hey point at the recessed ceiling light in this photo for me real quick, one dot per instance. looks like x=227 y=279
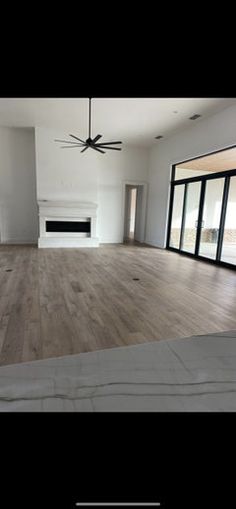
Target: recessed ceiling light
x=194 y=117
x=158 y=137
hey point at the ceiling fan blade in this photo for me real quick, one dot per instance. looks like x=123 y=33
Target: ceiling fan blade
x=84 y=149
x=108 y=143
x=109 y=148
x=98 y=149
x=73 y=146
x=97 y=138
x=66 y=141
x=72 y=136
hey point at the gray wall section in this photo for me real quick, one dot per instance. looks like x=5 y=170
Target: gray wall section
x=18 y=205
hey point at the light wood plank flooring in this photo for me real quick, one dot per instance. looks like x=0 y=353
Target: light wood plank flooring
x=56 y=302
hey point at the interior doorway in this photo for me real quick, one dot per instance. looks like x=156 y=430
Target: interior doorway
x=134 y=212
x=131 y=212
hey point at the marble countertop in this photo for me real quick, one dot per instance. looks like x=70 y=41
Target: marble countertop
x=185 y=375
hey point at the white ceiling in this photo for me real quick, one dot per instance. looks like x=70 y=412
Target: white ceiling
x=134 y=121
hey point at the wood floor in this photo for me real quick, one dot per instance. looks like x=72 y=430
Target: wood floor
x=56 y=302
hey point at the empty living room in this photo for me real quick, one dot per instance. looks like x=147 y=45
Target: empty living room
x=117 y=254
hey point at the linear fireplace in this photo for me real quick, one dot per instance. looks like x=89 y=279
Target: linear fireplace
x=67 y=224
x=82 y=226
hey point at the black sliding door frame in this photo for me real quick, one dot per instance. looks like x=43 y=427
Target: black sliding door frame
x=183 y=217
x=222 y=218
x=203 y=179
x=200 y=216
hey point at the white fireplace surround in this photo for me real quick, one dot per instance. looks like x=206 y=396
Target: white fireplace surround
x=50 y=210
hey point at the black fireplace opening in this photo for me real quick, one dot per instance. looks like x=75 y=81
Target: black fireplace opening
x=68 y=226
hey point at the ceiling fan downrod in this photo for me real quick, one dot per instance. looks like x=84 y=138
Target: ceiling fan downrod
x=90 y=143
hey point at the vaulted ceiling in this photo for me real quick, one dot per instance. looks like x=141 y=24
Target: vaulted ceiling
x=135 y=121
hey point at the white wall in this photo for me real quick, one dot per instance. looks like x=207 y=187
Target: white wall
x=67 y=174
x=213 y=133
x=18 y=206
x=60 y=174
x=141 y=209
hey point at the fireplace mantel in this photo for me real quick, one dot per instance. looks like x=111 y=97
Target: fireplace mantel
x=64 y=211
x=76 y=204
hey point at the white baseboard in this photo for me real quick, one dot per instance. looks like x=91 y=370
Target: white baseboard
x=18 y=241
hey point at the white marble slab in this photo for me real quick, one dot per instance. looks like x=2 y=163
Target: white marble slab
x=185 y=375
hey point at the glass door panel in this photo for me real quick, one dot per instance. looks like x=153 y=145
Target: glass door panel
x=177 y=216
x=190 y=220
x=211 y=218
x=229 y=240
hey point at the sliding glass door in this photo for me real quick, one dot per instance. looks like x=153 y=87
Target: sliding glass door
x=177 y=214
x=210 y=226
x=228 y=254
x=190 y=217
x=202 y=220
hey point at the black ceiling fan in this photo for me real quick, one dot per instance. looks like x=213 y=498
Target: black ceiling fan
x=90 y=143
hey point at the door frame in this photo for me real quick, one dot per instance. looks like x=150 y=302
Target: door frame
x=203 y=179
x=135 y=183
